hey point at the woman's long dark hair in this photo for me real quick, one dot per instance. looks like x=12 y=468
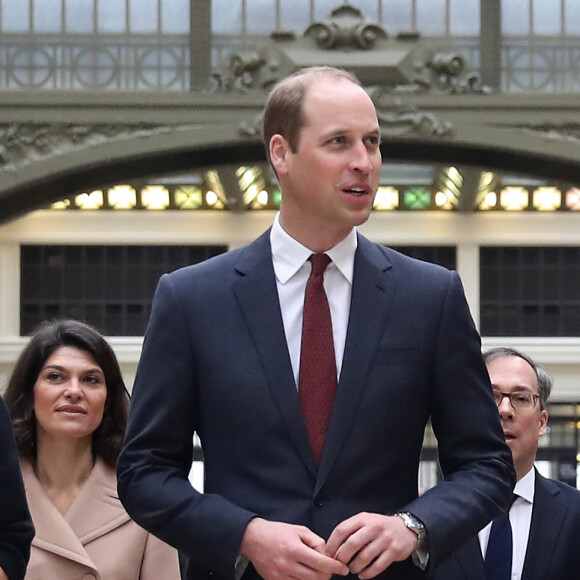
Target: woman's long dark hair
x=19 y=396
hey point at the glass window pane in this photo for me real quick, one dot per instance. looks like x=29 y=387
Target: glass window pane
x=547 y=17
x=515 y=16
x=112 y=16
x=144 y=15
x=47 y=15
x=369 y=8
x=175 y=16
x=398 y=16
x=465 y=17
x=572 y=17
x=15 y=15
x=226 y=16
x=261 y=16
x=431 y=18
x=295 y=16
x=80 y=16
x=323 y=8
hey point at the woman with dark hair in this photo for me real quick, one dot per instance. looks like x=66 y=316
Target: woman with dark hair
x=68 y=404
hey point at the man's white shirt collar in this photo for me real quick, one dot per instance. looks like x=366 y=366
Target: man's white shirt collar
x=289 y=255
x=526 y=486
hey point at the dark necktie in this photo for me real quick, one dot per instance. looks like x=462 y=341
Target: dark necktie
x=498 y=557
x=317 y=376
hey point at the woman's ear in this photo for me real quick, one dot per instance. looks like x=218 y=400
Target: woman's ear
x=279 y=150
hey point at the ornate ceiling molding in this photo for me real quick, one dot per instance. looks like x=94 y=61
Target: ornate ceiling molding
x=568 y=132
x=25 y=143
x=394 y=121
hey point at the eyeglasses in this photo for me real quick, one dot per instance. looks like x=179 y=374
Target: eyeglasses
x=519 y=400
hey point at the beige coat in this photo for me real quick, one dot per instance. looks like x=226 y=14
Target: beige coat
x=96 y=539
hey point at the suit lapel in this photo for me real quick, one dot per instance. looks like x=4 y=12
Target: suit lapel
x=257 y=295
x=53 y=533
x=97 y=509
x=547 y=518
x=371 y=298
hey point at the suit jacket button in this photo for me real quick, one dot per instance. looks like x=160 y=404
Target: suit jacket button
x=318 y=502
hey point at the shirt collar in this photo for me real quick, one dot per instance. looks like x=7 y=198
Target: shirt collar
x=289 y=254
x=525 y=487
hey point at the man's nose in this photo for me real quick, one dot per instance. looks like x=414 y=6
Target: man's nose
x=361 y=158
x=506 y=411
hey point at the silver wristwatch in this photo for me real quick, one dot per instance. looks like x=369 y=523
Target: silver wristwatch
x=415 y=526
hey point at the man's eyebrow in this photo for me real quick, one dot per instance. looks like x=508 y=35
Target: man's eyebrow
x=516 y=388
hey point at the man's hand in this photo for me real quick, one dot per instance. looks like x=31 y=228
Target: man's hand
x=278 y=551
x=370 y=543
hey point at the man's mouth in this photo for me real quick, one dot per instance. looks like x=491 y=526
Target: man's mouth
x=356 y=191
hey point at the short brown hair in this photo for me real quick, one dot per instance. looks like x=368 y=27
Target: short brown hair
x=19 y=396
x=283 y=114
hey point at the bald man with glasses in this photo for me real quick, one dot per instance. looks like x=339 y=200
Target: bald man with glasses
x=539 y=538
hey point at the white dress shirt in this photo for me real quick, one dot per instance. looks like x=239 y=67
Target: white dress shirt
x=292 y=269
x=520 y=519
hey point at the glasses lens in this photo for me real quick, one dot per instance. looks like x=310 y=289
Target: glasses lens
x=518 y=400
x=522 y=400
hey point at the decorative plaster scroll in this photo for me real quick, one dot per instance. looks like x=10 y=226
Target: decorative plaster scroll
x=253 y=128
x=401 y=121
x=346 y=27
x=25 y=143
x=569 y=132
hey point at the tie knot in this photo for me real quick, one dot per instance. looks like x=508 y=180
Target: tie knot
x=319 y=263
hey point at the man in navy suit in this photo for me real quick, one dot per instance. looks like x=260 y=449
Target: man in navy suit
x=545 y=515
x=221 y=357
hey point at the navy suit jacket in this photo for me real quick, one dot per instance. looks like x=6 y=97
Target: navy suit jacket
x=552 y=552
x=215 y=361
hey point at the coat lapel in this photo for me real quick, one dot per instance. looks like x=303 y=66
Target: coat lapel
x=53 y=533
x=372 y=291
x=257 y=295
x=97 y=509
x=547 y=518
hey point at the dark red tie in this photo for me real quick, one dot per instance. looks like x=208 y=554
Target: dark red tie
x=317 y=377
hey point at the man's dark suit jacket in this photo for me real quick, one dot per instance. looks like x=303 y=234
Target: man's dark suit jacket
x=553 y=551
x=215 y=361
x=16 y=529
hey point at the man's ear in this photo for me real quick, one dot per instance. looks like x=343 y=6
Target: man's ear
x=279 y=150
x=543 y=425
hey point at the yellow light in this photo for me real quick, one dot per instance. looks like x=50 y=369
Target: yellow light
x=211 y=198
x=122 y=197
x=387 y=198
x=513 y=198
x=573 y=199
x=60 y=205
x=441 y=199
x=155 y=197
x=93 y=200
x=489 y=200
x=188 y=197
x=547 y=198
x=263 y=197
